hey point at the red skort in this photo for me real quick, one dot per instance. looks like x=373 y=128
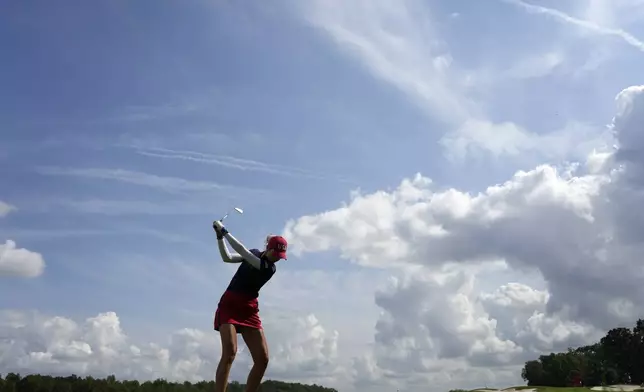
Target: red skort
x=237 y=309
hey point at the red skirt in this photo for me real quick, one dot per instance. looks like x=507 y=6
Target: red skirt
x=239 y=310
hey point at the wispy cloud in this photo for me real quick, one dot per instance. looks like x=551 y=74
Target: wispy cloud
x=144 y=113
x=162 y=235
x=201 y=104
x=168 y=184
x=234 y=163
x=44 y=234
x=121 y=269
x=574 y=140
x=48 y=234
x=563 y=17
x=399 y=44
x=120 y=207
x=5 y=209
x=535 y=66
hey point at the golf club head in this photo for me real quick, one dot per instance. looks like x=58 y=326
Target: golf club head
x=236 y=209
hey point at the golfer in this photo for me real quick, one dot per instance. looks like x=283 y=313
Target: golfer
x=238 y=310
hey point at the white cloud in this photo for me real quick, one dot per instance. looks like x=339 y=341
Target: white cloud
x=600 y=12
x=398 y=44
x=168 y=184
x=233 y=162
x=517 y=296
x=300 y=348
x=305 y=326
x=577 y=226
x=5 y=209
x=440 y=322
x=401 y=45
x=303 y=350
x=20 y=262
x=536 y=66
x=123 y=207
x=596 y=8
x=574 y=141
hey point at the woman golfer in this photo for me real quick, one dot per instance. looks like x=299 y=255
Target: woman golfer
x=238 y=310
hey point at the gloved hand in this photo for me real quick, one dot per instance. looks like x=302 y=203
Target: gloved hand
x=219 y=229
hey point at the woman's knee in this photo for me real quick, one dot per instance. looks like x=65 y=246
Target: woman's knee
x=261 y=360
x=228 y=356
x=257 y=346
x=228 y=351
x=260 y=357
x=228 y=344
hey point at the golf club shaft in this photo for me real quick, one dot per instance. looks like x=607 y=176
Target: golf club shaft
x=238 y=210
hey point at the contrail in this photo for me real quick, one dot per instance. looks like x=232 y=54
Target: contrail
x=231 y=162
x=624 y=35
x=170 y=184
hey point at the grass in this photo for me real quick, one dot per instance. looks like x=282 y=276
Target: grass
x=577 y=389
x=549 y=389
x=571 y=389
x=567 y=389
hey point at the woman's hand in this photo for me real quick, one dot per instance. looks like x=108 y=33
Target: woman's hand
x=217 y=226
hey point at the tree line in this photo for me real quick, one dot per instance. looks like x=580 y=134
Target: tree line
x=40 y=383
x=618 y=358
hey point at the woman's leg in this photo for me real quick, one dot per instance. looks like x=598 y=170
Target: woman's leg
x=228 y=335
x=256 y=342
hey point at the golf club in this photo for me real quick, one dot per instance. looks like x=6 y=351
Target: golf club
x=237 y=209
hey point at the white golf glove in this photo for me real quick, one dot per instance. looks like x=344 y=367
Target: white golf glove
x=218 y=225
x=219 y=229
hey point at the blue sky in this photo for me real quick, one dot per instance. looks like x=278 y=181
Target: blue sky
x=91 y=88
x=126 y=128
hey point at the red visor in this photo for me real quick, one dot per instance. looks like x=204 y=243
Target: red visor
x=279 y=244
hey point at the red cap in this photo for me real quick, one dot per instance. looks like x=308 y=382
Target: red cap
x=279 y=244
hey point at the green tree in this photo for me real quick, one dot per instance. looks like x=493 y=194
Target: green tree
x=37 y=383
x=638 y=353
x=617 y=358
x=533 y=373
x=618 y=348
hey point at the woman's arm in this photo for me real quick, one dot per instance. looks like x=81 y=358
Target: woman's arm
x=225 y=255
x=243 y=252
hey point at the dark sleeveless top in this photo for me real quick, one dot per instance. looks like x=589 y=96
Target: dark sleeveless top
x=249 y=280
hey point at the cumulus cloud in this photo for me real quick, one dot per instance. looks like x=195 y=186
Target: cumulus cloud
x=20 y=262
x=306 y=349
x=578 y=227
x=442 y=320
x=301 y=349
x=462 y=330
x=98 y=346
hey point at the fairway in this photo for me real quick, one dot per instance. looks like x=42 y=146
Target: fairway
x=611 y=388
